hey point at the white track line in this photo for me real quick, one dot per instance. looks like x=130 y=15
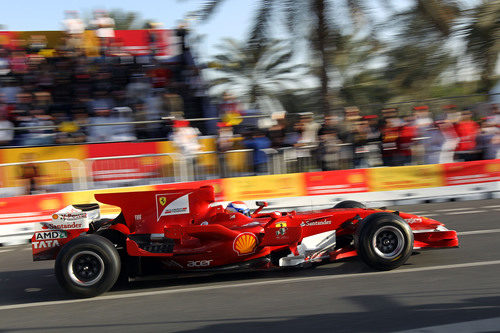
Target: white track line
x=2 y=251
x=478 y=232
x=453 y=209
x=466 y=212
x=250 y=284
x=494 y=206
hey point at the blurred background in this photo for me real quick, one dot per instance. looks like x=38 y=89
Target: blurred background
x=148 y=93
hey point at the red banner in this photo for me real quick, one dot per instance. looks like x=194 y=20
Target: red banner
x=34 y=208
x=336 y=182
x=472 y=172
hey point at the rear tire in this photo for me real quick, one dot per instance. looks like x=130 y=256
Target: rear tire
x=350 y=204
x=87 y=266
x=384 y=241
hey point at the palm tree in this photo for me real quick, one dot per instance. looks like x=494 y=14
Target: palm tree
x=482 y=35
x=253 y=73
x=316 y=22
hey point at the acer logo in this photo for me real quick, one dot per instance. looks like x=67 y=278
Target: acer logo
x=199 y=263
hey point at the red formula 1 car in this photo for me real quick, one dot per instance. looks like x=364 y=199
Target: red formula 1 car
x=186 y=230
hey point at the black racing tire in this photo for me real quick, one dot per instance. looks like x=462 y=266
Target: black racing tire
x=87 y=266
x=350 y=204
x=384 y=241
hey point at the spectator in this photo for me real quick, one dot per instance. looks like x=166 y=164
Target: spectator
x=450 y=141
x=74 y=28
x=6 y=131
x=258 y=142
x=277 y=133
x=329 y=145
x=100 y=133
x=433 y=143
x=37 y=137
x=104 y=26
x=466 y=130
x=124 y=132
x=185 y=138
x=29 y=174
x=225 y=142
x=389 y=134
x=406 y=136
x=4 y=62
x=10 y=90
x=360 y=144
x=18 y=63
x=487 y=141
x=451 y=113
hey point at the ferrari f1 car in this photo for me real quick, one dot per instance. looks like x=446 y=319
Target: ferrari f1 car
x=186 y=230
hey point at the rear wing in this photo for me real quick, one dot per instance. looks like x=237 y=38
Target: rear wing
x=149 y=211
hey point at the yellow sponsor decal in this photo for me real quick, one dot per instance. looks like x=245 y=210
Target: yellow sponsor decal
x=280 y=225
x=272 y=186
x=406 y=177
x=245 y=243
x=162 y=200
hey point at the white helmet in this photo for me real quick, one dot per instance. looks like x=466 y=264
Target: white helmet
x=238 y=207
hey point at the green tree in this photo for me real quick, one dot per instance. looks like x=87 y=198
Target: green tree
x=482 y=35
x=265 y=71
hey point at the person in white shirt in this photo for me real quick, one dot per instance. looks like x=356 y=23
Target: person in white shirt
x=6 y=132
x=105 y=29
x=74 y=28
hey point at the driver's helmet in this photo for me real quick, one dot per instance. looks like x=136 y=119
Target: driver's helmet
x=238 y=207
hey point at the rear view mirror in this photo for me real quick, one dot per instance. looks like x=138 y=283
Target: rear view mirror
x=261 y=203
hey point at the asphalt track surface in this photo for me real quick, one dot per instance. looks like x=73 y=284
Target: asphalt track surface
x=451 y=290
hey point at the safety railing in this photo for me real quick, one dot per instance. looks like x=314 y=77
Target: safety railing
x=32 y=177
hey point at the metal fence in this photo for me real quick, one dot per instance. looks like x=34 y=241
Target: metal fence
x=33 y=177
x=147 y=169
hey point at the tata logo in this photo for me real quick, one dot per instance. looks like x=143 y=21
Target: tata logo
x=45 y=244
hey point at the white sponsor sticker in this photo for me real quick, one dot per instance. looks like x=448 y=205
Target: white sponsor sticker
x=45 y=244
x=44 y=235
x=313 y=223
x=177 y=207
x=55 y=224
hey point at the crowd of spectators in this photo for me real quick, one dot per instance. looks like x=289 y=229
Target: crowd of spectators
x=69 y=98
x=352 y=140
x=69 y=90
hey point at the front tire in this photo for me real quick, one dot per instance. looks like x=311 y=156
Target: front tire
x=384 y=241
x=87 y=266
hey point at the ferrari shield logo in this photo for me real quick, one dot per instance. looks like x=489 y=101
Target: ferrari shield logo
x=162 y=200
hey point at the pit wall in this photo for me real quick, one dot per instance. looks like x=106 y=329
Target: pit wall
x=20 y=216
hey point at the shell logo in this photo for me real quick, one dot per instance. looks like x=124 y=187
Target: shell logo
x=245 y=243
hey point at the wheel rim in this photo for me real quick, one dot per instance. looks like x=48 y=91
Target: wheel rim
x=85 y=268
x=388 y=242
